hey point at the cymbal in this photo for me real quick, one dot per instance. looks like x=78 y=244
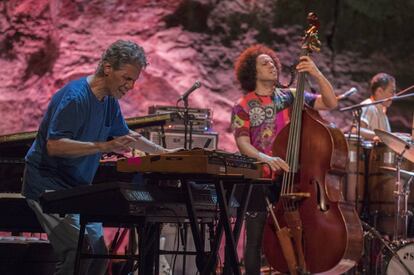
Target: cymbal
x=404 y=173
x=396 y=144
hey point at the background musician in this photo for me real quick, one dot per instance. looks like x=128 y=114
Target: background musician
x=72 y=136
x=382 y=86
x=256 y=122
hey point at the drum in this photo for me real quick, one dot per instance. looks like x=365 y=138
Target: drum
x=390 y=263
x=381 y=187
x=353 y=188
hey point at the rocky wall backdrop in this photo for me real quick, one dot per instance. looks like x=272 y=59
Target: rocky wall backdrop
x=44 y=44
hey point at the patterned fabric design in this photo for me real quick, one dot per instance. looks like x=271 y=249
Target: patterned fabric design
x=261 y=117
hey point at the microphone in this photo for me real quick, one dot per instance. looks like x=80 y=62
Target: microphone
x=195 y=86
x=347 y=94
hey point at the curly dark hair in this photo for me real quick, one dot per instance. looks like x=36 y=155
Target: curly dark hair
x=245 y=66
x=380 y=80
x=120 y=53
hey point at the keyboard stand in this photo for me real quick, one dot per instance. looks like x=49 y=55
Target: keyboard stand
x=206 y=261
x=225 y=186
x=231 y=263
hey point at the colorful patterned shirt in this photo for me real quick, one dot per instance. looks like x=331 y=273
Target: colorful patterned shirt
x=261 y=117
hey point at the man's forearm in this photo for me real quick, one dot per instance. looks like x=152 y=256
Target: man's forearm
x=246 y=148
x=66 y=147
x=326 y=90
x=145 y=145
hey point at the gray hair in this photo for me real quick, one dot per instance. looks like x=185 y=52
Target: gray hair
x=120 y=53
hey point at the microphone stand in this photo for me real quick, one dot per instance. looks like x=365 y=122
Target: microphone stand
x=357 y=106
x=187 y=124
x=405 y=90
x=365 y=201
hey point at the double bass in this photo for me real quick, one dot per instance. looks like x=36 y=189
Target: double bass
x=324 y=232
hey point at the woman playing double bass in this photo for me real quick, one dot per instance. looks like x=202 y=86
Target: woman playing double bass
x=257 y=118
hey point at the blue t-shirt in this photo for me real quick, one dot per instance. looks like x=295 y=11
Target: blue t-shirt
x=75 y=113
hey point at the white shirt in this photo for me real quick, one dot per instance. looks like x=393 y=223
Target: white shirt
x=375 y=117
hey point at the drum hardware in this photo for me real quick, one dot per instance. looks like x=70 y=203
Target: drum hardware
x=401 y=193
x=381 y=188
x=391 y=264
x=404 y=173
x=397 y=144
x=408 y=153
x=372 y=233
x=403 y=150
